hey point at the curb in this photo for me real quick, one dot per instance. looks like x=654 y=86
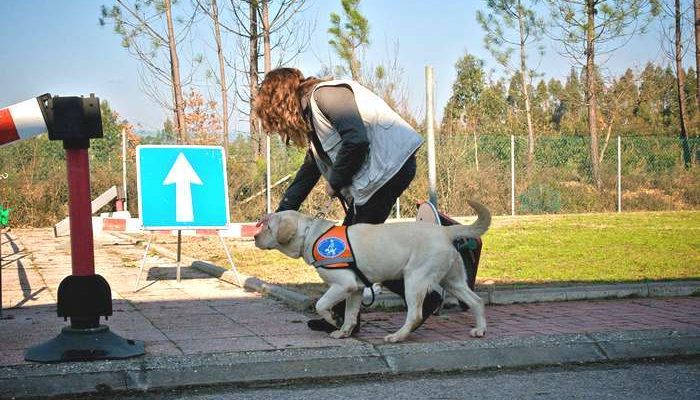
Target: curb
x=294 y=299
x=294 y=365
x=504 y=296
x=492 y=294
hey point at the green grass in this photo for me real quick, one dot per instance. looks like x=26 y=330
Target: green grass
x=551 y=249
x=593 y=248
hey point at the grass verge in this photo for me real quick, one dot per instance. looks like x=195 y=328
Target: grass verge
x=526 y=250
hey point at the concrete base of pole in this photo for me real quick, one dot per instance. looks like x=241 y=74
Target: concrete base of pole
x=85 y=345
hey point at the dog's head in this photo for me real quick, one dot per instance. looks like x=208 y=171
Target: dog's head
x=283 y=231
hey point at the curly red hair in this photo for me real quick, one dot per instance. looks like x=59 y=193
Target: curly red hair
x=278 y=104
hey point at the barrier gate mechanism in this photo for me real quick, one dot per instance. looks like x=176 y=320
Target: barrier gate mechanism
x=83 y=296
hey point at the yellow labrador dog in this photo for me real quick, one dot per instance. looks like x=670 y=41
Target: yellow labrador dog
x=420 y=253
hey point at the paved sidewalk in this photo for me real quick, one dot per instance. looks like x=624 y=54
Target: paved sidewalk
x=204 y=324
x=201 y=314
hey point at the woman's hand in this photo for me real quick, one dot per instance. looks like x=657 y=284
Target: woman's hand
x=263 y=220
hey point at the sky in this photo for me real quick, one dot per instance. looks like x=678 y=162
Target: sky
x=58 y=46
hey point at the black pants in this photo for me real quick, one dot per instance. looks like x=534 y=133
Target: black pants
x=378 y=207
x=376 y=211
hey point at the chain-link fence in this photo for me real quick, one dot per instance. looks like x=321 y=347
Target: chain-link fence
x=558 y=177
x=488 y=167
x=497 y=170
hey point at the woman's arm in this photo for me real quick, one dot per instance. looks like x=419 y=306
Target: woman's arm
x=337 y=103
x=304 y=181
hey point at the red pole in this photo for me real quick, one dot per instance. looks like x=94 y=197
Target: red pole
x=80 y=212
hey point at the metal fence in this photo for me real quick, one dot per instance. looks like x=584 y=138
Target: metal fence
x=637 y=174
x=642 y=174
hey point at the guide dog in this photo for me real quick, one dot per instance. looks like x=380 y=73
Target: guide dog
x=420 y=253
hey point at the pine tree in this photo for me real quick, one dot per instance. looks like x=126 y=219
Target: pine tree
x=349 y=36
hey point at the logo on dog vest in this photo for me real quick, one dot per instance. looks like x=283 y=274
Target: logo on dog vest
x=333 y=250
x=331 y=247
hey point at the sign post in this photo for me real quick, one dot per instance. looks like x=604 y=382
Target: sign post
x=83 y=296
x=182 y=187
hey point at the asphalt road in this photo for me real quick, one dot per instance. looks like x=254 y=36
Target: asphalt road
x=677 y=380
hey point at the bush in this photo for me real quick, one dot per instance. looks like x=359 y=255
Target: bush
x=540 y=198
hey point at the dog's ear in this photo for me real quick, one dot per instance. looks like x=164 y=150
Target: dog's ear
x=287 y=229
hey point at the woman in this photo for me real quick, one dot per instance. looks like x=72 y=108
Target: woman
x=364 y=150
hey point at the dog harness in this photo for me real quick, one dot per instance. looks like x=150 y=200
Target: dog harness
x=332 y=250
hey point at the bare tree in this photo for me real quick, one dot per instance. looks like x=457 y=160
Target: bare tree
x=146 y=28
x=587 y=28
x=515 y=16
x=253 y=70
x=675 y=52
x=266 y=36
x=287 y=35
x=222 y=74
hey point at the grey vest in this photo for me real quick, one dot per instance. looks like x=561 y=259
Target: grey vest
x=391 y=141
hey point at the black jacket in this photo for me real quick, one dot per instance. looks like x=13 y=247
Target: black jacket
x=337 y=103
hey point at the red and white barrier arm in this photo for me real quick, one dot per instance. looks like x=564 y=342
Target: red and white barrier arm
x=21 y=121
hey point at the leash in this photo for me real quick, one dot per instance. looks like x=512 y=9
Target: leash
x=323 y=212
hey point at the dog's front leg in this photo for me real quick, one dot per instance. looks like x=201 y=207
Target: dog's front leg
x=334 y=295
x=352 y=308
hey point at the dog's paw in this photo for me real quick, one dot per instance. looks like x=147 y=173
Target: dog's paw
x=477 y=332
x=339 y=334
x=393 y=338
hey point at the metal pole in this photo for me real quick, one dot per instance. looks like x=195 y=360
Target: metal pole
x=512 y=175
x=619 y=174
x=230 y=260
x=268 y=168
x=179 y=252
x=126 y=202
x=398 y=208
x=143 y=260
x=79 y=210
x=429 y=118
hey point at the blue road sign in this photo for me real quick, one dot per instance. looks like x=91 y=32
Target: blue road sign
x=182 y=187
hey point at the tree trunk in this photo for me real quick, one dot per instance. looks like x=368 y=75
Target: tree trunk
x=525 y=91
x=175 y=73
x=253 y=78
x=680 y=85
x=266 y=36
x=591 y=98
x=222 y=74
x=697 y=54
x=354 y=66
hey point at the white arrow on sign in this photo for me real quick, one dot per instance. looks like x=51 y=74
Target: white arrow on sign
x=182 y=175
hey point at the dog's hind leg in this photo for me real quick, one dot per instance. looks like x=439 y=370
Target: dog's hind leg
x=416 y=289
x=352 y=308
x=456 y=285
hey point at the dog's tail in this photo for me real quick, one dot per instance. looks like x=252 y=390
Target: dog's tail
x=478 y=228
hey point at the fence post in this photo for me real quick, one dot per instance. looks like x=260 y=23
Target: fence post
x=619 y=174
x=512 y=174
x=125 y=194
x=429 y=116
x=268 y=195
